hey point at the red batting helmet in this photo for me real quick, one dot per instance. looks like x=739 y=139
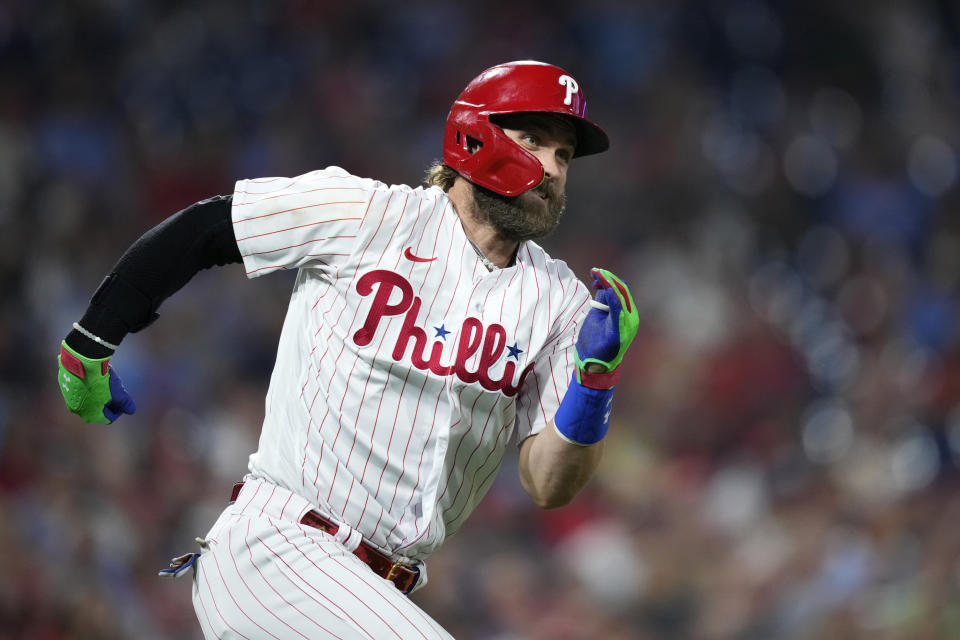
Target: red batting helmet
x=500 y=164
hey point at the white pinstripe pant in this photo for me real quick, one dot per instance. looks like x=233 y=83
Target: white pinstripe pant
x=265 y=575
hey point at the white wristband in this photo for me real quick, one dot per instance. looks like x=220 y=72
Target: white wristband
x=97 y=339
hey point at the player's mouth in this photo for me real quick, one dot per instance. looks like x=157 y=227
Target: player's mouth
x=543 y=194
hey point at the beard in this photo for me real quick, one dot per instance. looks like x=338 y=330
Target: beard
x=522 y=217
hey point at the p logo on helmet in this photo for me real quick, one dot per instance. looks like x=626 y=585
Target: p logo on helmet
x=572 y=88
x=481 y=152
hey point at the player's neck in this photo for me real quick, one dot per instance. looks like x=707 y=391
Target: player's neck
x=494 y=247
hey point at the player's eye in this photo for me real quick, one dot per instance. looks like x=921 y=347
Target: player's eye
x=530 y=139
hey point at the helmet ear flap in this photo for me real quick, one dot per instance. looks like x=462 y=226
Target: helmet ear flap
x=499 y=164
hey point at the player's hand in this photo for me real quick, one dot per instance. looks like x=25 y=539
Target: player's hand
x=91 y=388
x=606 y=333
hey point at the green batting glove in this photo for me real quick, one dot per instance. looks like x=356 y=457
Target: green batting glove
x=610 y=326
x=91 y=388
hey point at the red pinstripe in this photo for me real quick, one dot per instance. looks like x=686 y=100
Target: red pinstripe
x=217 y=607
x=306 y=440
x=266 y=180
x=446 y=263
x=235 y=603
x=340 y=584
x=393 y=430
x=278 y=268
x=292 y=181
x=342 y=348
x=233 y=557
x=376 y=591
x=336 y=276
x=536 y=305
x=297 y=226
x=269 y=498
x=493 y=469
x=476 y=472
x=426 y=225
x=287 y=195
x=339 y=421
x=443 y=276
x=486 y=423
x=413 y=491
x=505 y=291
x=205 y=614
x=490 y=288
x=357 y=358
x=379 y=346
x=543 y=410
x=366 y=382
x=549 y=289
x=529 y=406
x=376 y=420
x=305 y=581
x=363 y=396
x=576 y=314
x=306 y=206
x=403 y=458
x=302 y=244
x=279 y=595
x=356 y=430
x=249 y=501
x=456 y=453
x=433 y=422
x=556 y=390
x=289 y=497
x=520 y=304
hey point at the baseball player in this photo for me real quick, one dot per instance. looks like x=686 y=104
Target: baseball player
x=425 y=331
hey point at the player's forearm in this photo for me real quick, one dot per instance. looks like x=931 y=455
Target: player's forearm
x=553 y=471
x=158 y=264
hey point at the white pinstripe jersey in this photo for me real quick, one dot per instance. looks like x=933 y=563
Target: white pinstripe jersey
x=404 y=366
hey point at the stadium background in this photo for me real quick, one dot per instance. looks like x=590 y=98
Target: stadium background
x=781 y=194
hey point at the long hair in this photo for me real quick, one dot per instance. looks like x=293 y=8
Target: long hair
x=440 y=175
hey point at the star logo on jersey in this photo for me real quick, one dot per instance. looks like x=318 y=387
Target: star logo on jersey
x=408 y=254
x=441 y=332
x=514 y=352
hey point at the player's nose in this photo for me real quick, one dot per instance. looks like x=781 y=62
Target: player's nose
x=551 y=164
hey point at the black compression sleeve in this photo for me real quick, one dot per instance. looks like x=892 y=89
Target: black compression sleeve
x=156 y=266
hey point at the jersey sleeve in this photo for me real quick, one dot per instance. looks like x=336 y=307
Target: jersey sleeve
x=547 y=382
x=309 y=220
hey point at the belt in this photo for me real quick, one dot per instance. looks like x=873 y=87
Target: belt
x=403 y=576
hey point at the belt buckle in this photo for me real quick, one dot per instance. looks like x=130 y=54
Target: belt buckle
x=394 y=571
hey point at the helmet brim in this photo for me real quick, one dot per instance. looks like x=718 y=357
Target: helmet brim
x=591 y=138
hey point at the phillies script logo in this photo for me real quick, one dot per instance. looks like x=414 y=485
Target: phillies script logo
x=490 y=342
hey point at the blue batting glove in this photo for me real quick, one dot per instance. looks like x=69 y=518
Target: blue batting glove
x=607 y=333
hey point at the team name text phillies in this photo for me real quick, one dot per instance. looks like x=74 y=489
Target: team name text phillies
x=490 y=341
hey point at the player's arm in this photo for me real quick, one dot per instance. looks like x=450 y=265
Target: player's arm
x=157 y=265
x=556 y=463
x=553 y=470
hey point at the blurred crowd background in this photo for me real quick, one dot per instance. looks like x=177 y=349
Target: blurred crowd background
x=781 y=194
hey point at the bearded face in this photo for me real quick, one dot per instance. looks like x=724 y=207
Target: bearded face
x=552 y=140
x=533 y=214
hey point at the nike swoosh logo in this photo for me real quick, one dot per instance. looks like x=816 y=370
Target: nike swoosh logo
x=409 y=256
